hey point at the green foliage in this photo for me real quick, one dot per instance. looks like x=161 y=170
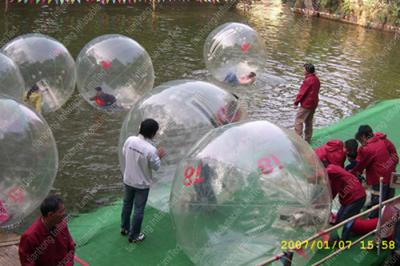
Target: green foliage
x=375 y=11
x=346 y=7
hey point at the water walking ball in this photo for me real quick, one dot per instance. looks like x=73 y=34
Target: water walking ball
x=232 y=51
x=45 y=62
x=113 y=72
x=11 y=81
x=243 y=189
x=185 y=111
x=28 y=161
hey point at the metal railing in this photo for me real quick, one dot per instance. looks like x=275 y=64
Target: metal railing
x=330 y=229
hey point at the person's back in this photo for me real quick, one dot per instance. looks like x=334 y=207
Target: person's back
x=34 y=100
x=312 y=97
x=345 y=184
x=332 y=152
x=308 y=96
x=394 y=157
x=108 y=99
x=373 y=157
x=140 y=157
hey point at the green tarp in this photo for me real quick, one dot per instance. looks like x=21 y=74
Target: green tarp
x=100 y=244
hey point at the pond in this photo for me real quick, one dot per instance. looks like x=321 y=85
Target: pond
x=357 y=67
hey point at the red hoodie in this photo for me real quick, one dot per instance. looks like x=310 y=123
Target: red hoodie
x=39 y=246
x=394 y=157
x=332 y=153
x=345 y=184
x=308 y=94
x=374 y=157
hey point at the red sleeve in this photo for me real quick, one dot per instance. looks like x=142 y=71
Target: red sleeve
x=332 y=175
x=221 y=116
x=25 y=250
x=333 y=190
x=303 y=91
x=392 y=151
x=363 y=160
x=71 y=249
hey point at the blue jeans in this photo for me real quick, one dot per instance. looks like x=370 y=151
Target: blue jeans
x=347 y=212
x=231 y=78
x=139 y=196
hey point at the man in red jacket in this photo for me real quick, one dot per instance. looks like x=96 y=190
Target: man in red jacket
x=394 y=157
x=47 y=242
x=308 y=100
x=377 y=159
x=351 y=194
x=333 y=152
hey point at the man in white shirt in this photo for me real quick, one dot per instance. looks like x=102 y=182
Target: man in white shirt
x=141 y=157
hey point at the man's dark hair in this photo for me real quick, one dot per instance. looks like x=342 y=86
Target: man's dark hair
x=98 y=89
x=252 y=75
x=50 y=204
x=33 y=88
x=148 y=128
x=309 y=68
x=364 y=131
x=351 y=146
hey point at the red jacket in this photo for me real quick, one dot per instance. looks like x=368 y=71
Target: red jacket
x=345 y=184
x=39 y=247
x=308 y=94
x=332 y=152
x=374 y=157
x=394 y=157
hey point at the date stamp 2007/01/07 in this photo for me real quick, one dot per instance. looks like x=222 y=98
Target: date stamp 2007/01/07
x=337 y=244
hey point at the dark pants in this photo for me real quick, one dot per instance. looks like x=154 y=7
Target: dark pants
x=131 y=195
x=204 y=189
x=347 y=212
x=351 y=165
x=387 y=193
x=231 y=78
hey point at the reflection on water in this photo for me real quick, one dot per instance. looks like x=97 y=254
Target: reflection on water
x=356 y=66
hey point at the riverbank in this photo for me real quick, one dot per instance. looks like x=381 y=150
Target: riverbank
x=372 y=15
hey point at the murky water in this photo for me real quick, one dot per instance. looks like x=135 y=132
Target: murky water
x=357 y=67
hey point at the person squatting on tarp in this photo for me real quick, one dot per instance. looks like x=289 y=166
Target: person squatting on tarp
x=352 y=195
x=351 y=146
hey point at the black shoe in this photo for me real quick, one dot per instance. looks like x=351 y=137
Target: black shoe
x=124 y=232
x=139 y=238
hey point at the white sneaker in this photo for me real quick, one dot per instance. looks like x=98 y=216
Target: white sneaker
x=139 y=238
